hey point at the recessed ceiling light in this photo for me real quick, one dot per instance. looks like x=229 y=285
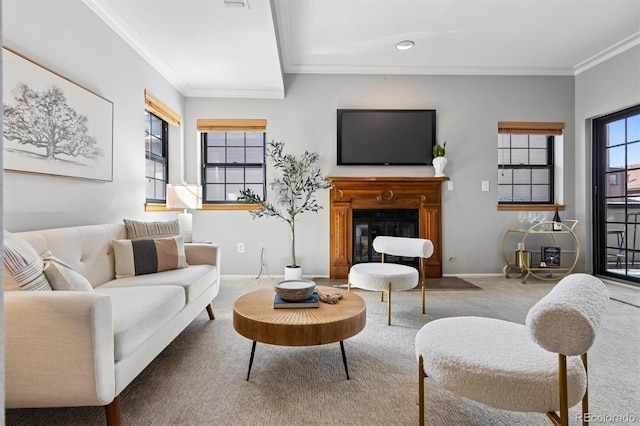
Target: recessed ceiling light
x=405 y=45
x=234 y=3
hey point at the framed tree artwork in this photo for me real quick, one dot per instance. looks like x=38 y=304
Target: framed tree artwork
x=52 y=125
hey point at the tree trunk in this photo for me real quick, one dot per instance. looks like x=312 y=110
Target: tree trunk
x=293 y=244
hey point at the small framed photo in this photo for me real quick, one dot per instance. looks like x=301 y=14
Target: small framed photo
x=550 y=257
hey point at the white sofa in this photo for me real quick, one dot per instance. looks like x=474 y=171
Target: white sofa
x=82 y=348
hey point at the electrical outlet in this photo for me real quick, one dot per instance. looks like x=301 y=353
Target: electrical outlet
x=240 y=247
x=485 y=185
x=450 y=185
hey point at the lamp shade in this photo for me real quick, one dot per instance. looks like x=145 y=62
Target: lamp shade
x=184 y=196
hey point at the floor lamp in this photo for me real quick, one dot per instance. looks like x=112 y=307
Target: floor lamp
x=184 y=197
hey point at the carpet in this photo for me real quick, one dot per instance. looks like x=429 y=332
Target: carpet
x=432 y=284
x=199 y=379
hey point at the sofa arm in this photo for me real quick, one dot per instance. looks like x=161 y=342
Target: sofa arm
x=202 y=254
x=58 y=349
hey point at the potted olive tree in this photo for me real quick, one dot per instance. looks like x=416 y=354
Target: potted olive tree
x=295 y=191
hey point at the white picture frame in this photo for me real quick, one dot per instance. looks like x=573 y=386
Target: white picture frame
x=52 y=125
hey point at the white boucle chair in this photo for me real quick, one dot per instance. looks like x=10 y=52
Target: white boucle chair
x=515 y=367
x=388 y=277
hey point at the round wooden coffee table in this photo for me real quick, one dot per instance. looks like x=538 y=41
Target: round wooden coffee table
x=255 y=318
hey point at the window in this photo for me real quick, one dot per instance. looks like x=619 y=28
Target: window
x=233 y=157
x=526 y=162
x=616 y=202
x=157 y=157
x=157 y=117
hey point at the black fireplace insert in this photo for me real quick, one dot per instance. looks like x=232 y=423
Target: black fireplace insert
x=368 y=224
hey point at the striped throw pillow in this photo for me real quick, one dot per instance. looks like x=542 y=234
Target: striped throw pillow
x=137 y=229
x=23 y=264
x=146 y=256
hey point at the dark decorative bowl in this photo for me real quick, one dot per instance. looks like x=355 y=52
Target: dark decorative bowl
x=294 y=290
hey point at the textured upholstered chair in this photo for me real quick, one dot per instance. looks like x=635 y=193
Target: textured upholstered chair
x=530 y=368
x=388 y=277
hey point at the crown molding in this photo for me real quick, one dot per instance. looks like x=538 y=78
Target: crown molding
x=608 y=53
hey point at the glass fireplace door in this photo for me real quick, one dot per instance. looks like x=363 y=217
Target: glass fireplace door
x=368 y=224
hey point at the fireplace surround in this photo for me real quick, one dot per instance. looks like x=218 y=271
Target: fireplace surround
x=370 y=193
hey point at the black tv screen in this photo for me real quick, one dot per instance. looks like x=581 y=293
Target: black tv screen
x=386 y=136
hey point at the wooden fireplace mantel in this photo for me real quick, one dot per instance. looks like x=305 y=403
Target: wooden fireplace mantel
x=349 y=193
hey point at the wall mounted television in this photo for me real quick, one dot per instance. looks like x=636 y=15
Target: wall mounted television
x=386 y=136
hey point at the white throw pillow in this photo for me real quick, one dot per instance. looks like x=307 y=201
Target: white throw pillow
x=62 y=277
x=23 y=264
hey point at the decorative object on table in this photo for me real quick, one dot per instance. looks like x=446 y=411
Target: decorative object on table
x=294 y=290
x=439 y=160
x=38 y=101
x=311 y=302
x=550 y=256
x=331 y=298
x=523 y=259
x=295 y=191
x=557 y=223
x=184 y=197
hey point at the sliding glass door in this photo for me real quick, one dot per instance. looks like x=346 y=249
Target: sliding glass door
x=617 y=195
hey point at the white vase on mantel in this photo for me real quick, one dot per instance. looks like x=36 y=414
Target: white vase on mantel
x=439 y=163
x=293 y=273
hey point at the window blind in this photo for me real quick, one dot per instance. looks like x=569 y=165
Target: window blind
x=231 y=125
x=159 y=108
x=534 y=128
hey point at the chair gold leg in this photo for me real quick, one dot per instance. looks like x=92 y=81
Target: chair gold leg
x=423 y=307
x=382 y=295
x=562 y=380
x=349 y=282
x=389 y=304
x=585 y=398
x=421 y=377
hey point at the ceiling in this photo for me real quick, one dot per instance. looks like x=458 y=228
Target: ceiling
x=207 y=48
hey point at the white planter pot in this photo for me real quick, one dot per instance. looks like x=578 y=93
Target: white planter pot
x=439 y=163
x=293 y=273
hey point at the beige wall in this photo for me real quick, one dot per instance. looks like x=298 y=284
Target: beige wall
x=468 y=110
x=67 y=37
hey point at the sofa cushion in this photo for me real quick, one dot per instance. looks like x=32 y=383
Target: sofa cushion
x=23 y=264
x=137 y=229
x=146 y=256
x=140 y=312
x=195 y=280
x=62 y=277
